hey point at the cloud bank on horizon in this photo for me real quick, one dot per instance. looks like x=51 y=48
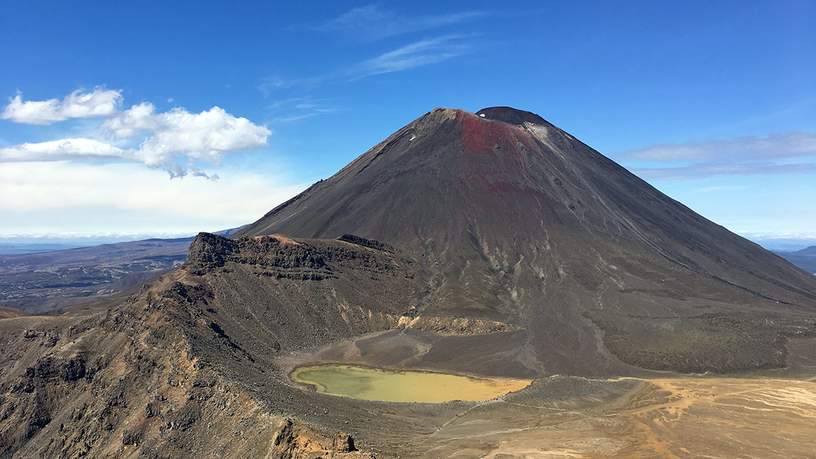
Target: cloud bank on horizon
x=786 y=153
x=124 y=198
x=176 y=141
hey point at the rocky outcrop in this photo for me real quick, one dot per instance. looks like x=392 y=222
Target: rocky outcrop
x=295 y=441
x=281 y=257
x=210 y=251
x=453 y=326
x=370 y=243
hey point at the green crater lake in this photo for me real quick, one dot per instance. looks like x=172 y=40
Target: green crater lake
x=367 y=383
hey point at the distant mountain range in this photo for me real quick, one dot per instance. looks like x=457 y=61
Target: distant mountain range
x=51 y=277
x=805 y=258
x=19 y=248
x=810 y=251
x=47 y=281
x=22 y=244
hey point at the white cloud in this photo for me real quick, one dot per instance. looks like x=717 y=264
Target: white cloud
x=97 y=103
x=204 y=136
x=97 y=183
x=417 y=54
x=373 y=22
x=177 y=141
x=269 y=85
x=786 y=153
x=40 y=197
x=695 y=171
x=787 y=145
x=55 y=150
x=140 y=117
x=299 y=108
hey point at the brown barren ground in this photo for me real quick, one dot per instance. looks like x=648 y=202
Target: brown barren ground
x=672 y=417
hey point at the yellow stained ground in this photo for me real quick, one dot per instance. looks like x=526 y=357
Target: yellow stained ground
x=667 y=418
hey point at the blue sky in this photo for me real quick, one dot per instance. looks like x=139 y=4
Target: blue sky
x=246 y=103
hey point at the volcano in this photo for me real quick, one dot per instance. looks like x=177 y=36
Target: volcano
x=515 y=220
x=488 y=245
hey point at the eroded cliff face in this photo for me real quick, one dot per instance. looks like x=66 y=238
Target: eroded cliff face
x=188 y=365
x=135 y=382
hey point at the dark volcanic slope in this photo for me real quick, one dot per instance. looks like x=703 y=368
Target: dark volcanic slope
x=515 y=220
